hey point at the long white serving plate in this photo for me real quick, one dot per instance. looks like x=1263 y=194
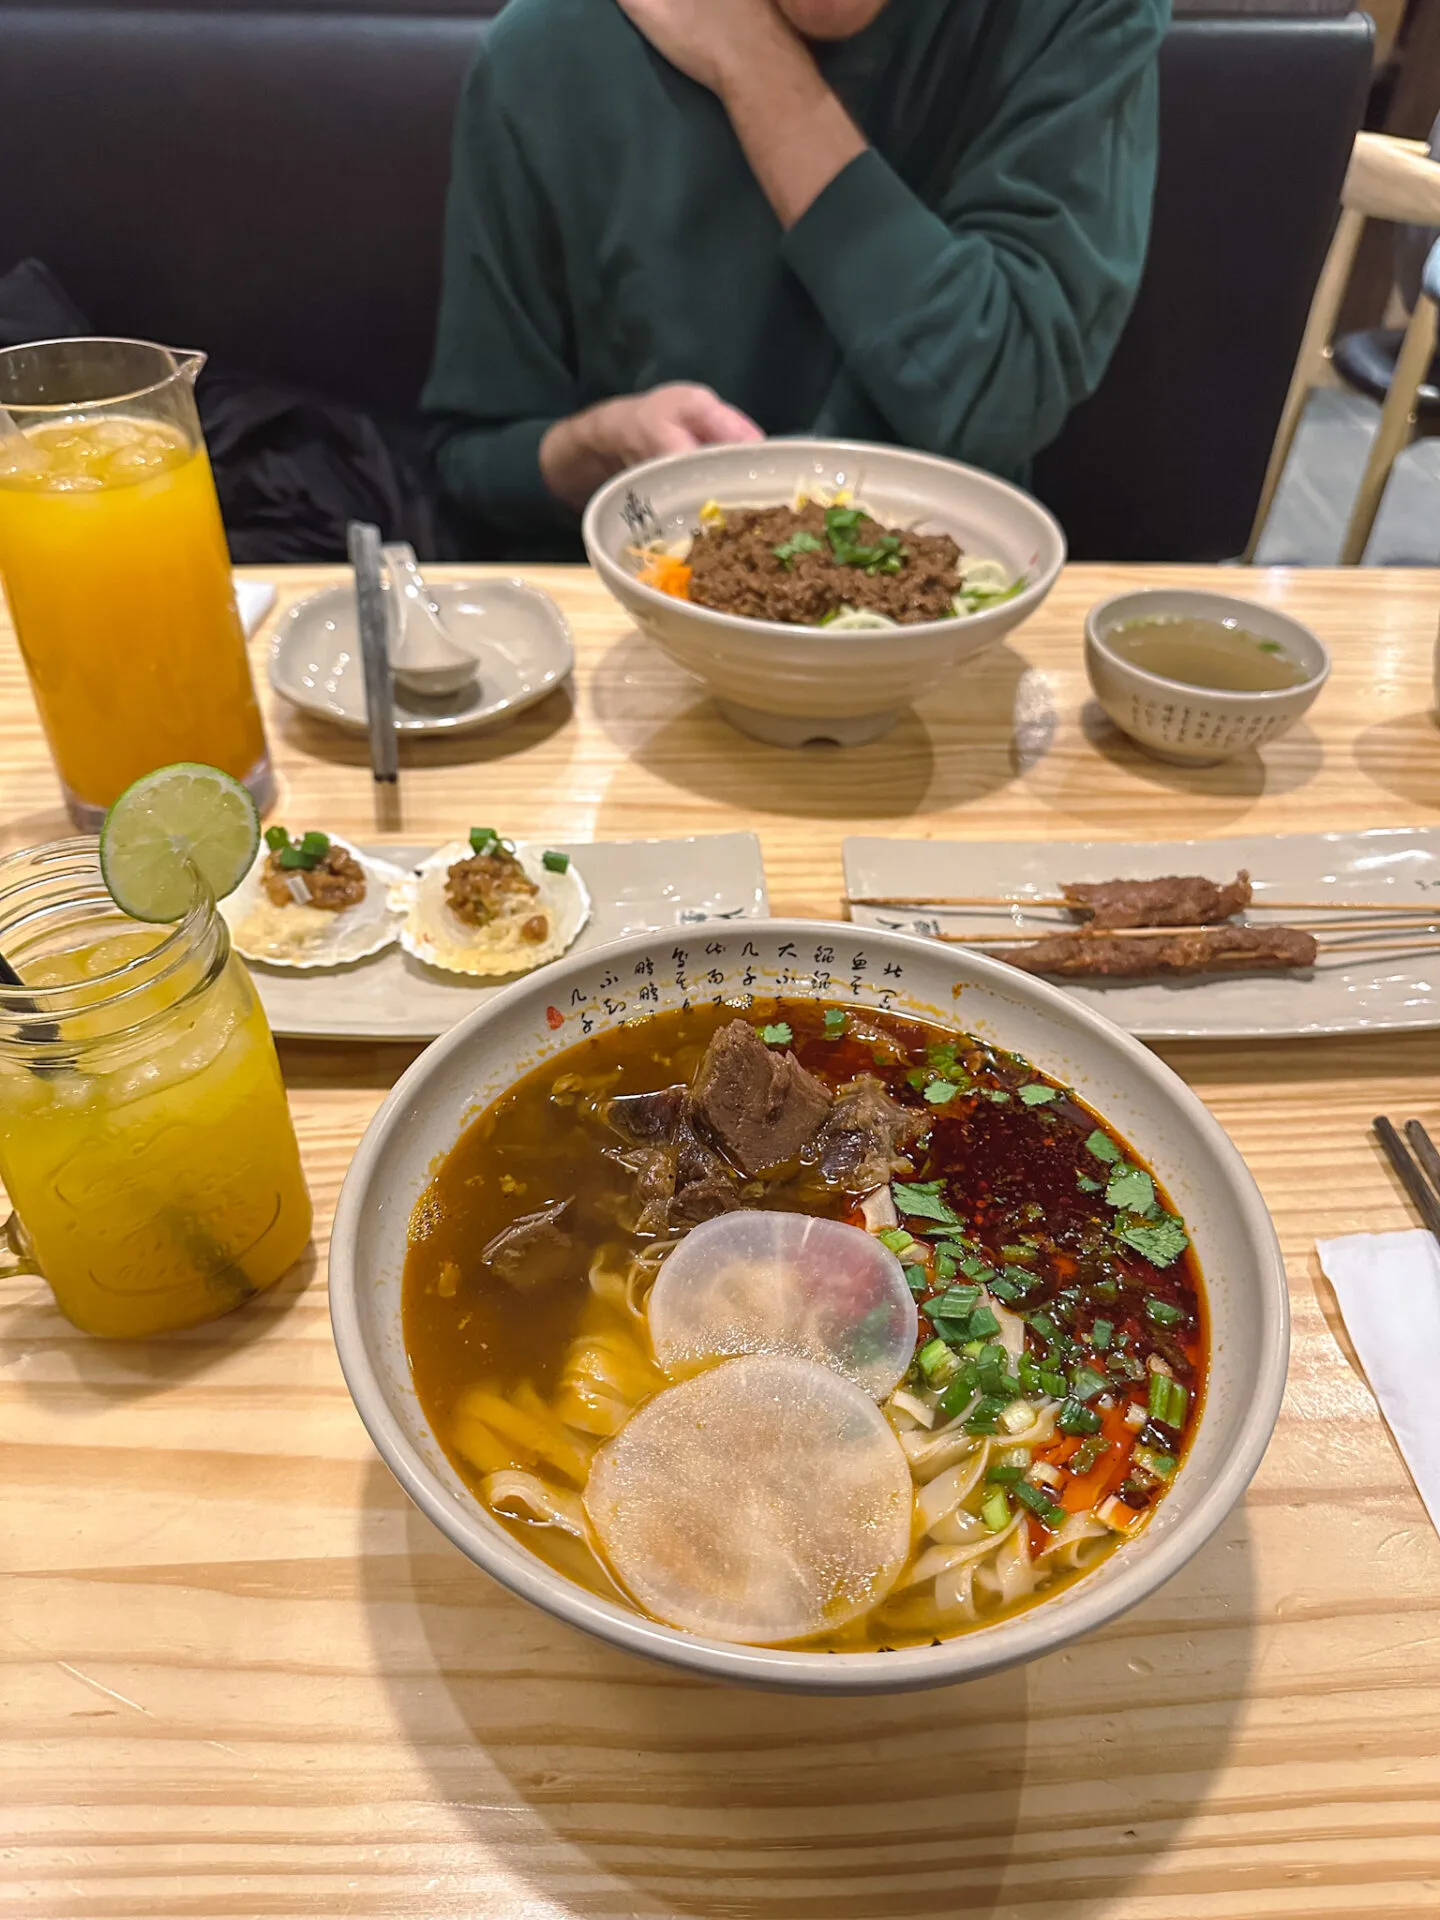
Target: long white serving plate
x=634 y=885
x=1364 y=993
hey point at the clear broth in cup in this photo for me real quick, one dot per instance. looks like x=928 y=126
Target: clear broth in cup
x=1206 y=653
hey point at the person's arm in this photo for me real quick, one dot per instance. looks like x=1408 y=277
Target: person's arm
x=973 y=319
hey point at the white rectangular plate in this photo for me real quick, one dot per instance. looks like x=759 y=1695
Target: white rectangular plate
x=634 y=885
x=1339 y=995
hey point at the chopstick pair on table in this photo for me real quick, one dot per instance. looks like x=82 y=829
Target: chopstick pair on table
x=363 y=542
x=1417 y=1170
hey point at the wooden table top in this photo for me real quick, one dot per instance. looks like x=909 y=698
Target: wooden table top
x=242 y=1676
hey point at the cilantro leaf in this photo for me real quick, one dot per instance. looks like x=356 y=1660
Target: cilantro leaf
x=1130 y=1191
x=801 y=541
x=1103 y=1147
x=1161 y=1244
x=1086 y=1184
x=777 y=1036
x=835 y=1022
x=924 y=1202
x=939 y=1091
x=1036 y=1094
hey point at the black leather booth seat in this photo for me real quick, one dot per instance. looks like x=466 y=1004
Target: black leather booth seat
x=268 y=185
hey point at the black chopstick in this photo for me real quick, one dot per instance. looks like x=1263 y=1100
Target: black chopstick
x=1427 y=1202
x=1423 y=1148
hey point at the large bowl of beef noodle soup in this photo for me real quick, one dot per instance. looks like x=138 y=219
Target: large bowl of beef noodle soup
x=818 y=587
x=808 y=1305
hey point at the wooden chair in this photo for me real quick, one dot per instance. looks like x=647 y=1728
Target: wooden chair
x=1388 y=179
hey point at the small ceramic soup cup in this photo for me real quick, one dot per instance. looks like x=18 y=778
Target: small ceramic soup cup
x=1198 y=726
x=541 y=1017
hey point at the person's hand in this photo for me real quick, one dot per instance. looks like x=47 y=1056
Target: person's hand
x=578 y=454
x=713 y=40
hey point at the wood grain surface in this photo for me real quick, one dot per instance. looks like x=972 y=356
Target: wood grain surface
x=242 y=1676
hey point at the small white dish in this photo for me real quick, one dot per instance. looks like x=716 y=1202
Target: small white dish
x=519 y=638
x=1198 y=726
x=689 y=889
x=789 y=685
x=1362 y=993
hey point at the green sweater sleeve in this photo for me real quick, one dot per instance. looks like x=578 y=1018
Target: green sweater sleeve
x=975 y=326
x=502 y=368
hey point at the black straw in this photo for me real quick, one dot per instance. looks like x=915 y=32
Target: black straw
x=44 y=1033
x=8 y=975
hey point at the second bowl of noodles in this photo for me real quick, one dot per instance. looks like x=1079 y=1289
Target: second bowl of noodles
x=818 y=587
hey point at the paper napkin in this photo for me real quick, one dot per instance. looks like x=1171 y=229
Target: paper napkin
x=1388 y=1286
x=254 y=598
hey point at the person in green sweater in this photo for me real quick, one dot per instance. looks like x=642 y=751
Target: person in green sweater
x=680 y=222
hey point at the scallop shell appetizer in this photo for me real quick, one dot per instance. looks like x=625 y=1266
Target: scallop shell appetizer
x=301 y=936
x=434 y=933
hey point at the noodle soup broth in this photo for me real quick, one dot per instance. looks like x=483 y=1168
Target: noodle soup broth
x=1058 y=1324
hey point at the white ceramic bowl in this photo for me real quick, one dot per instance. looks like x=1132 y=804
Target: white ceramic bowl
x=786 y=684
x=1198 y=726
x=1140 y=1096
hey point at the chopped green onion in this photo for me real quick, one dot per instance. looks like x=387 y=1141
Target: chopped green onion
x=835 y=1022
x=1085 y=1383
x=1005 y=1476
x=896 y=1239
x=944 y=1263
x=983 y=1323
x=554 y=862
x=1168 y=1401
x=1162 y=1313
x=1100 y=1334
x=777 y=1036
x=276 y=838
x=314 y=846
x=995 y=1511
x=1004 y=1289
x=934 y=1360
x=986 y=1417
x=1036 y=1094
x=1044 y=1325
x=1075 y=1418
x=1040 y=1501
x=956 y=1303
x=1053 y=1384
x=482 y=839
x=958 y=1395
x=917 y=1279
x=1162 y=1465
x=1088 y=1454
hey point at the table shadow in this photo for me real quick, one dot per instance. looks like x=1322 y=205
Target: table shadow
x=1403 y=756
x=496 y=741
x=617 y=1787
x=106 y=1373
x=1287 y=765
x=960 y=749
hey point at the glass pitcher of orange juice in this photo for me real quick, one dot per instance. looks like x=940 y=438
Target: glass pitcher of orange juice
x=145 y=1138
x=113 y=558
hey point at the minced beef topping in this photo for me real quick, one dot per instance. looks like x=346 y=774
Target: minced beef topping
x=735 y=567
x=486 y=885
x=335 y=882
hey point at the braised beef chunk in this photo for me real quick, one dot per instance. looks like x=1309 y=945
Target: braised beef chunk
x=654 y=1188
x=704 y=1185
x=647 y=1118
x=759 y=1106
x=1177 y=900
x=866 y=1137
x=533 y=1251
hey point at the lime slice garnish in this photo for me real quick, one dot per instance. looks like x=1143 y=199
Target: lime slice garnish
x=168 y=822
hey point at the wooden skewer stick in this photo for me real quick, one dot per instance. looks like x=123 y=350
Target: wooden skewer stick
x=1171 y=933
x=1001 y=901
x=1401 y=948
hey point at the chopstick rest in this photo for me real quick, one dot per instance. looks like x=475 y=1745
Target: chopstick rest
x=1388 y=1286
